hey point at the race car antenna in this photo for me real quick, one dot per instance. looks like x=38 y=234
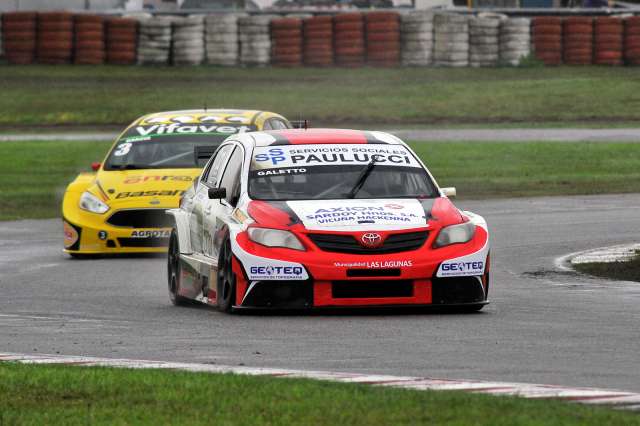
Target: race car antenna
x=205 y=106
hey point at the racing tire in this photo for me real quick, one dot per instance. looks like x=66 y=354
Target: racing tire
x=173 y=271
x=226 y=279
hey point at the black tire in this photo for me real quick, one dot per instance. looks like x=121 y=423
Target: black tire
x=82 y=256
x=226 y=282
x=470 y=308
x=173 y=271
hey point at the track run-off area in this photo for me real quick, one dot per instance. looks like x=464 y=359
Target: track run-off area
x=544 y=325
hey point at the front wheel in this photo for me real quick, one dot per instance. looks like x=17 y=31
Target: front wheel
x=226 y=288
x=173 y=271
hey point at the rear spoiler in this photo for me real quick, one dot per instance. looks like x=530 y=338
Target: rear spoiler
x=202 y=154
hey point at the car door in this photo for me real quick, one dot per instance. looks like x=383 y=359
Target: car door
x=217 y=213
x=210 y=176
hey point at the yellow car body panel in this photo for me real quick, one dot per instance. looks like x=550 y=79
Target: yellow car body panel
x=133 y=195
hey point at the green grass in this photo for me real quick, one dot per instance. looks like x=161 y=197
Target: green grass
x=35 y=395
x=72 y=95
x=624 y=270
x=35 y=173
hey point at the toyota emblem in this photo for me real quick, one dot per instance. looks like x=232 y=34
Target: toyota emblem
x=371 y=240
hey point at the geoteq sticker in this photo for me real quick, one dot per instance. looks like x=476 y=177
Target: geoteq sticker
x=270 y=157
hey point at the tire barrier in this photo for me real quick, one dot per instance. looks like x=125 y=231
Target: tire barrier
x=286 y=42
x=19 y=37
x=221 y=39
x=383 y=38
x=348 y=39
x=632 y=40
x=484 y=40
x=416 y=35
x=547 y=39
x=317 y=50
x=55 y=38
x=89 y=43
x=122 y=41
x=188 y=40
x=451 y=40
x=608 y=37
x=154 y=41
x=515 y=40
x=577 y=43
x=255 y=40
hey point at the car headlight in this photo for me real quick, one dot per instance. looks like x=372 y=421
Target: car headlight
x=93 y=204
x=274 y=238
x=453 y=234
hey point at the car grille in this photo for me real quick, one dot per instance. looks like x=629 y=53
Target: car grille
x=144 y=242
x=141 y=218
x=371 y=289
x=394 y=243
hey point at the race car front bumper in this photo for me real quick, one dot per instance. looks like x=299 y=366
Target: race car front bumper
x=317 y=279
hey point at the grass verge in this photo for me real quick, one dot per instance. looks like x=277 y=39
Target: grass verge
x=71 y=95
x=623 y=271
x=35 y=173
x=32 y=394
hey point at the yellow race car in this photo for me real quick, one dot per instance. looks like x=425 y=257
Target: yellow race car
x=120 y=207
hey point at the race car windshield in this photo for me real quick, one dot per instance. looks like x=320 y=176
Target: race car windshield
x=330 y=172
x=159 y=153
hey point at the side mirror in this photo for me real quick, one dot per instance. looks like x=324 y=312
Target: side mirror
x=217 y=193
x=95 y=166
x=449 y=192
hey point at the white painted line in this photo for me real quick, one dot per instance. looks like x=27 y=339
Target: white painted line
x=592 y=396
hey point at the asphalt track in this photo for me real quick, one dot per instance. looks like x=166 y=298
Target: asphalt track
x=431 y=135
x=544 y=325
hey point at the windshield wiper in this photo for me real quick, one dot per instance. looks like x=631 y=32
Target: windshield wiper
x=364 y=174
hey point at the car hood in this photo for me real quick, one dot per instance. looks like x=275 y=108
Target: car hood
x=152 y=186
x=356 y=215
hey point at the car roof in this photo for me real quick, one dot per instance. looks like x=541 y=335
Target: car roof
x=316 y=137
x=220 y=115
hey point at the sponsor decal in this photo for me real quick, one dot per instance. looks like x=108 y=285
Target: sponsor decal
x=360 y=214
x=167 y=193
x=163 y=233
x=272 y=272
x=461 y=268
x=179 y=128
x=103 y=235
x=70 y=234
x=278 y=172
x=193 y=119
x=322 y=155
x=375 y=264
x=157 y=178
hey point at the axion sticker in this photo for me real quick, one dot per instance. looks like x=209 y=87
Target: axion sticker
x=375 y=214
x=176 y=128
x=270 y=157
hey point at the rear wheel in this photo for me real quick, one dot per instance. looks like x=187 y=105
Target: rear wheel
x=226 y=290
x=173 y=271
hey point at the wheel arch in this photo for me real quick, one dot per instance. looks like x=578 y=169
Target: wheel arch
x=181 y=225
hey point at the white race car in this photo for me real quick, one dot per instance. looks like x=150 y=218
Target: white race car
x=324 y=218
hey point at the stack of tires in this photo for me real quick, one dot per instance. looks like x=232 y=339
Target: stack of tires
x=154 y=41
x=318 y=41
x=348 y=39
x=255 y=40
x=383 y=38
x=416 y=35
x=188 y=40
x=221 y=39
x=286 y=42
x=547 y=39
x=89 y=40
x=609 y=37
x=632 y=40
x=19 y=37
x=55 y=38
x=577 y=43
x=515 y=40
x=484 y=41
x=122 y=41
x=451 y=40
